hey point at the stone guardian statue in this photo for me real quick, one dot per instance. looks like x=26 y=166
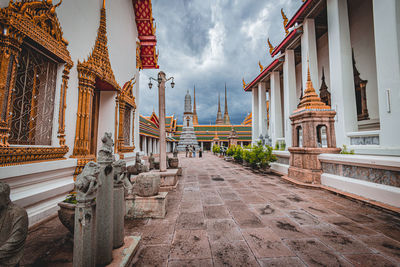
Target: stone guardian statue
x=13 y=229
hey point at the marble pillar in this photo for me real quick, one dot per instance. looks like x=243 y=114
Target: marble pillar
x=276 y=110
x=387 y=47
x=289 y=95
x=254 y=120
x=341 y=70
x=309 y=53
x=262 y=109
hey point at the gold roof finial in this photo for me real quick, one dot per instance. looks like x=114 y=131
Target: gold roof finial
x=285 y=21
x=261 y=66
x=244 y=83
x=104 y=4
x=310 y=99
x=271 y=48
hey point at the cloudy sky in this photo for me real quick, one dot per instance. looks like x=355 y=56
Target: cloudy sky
x=207 y=43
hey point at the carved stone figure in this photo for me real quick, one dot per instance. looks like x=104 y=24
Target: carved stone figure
x=87 y=182
x=139 y=167
x=121 y=176
x=106 y=150
x=13 y=229
x=147 y=184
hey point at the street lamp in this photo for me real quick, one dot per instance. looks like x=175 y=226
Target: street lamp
x=161 y=80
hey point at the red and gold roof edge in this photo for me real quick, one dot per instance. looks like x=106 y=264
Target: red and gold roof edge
x=146 y=34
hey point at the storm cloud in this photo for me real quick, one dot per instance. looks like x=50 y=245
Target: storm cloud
x=207 y=43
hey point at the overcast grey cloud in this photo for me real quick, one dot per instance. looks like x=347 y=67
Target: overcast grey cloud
x=207 y=43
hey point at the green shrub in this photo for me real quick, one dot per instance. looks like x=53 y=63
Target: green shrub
x=276 y=145
x=231 y=151
x=71 y=198
x=345 y=151
x=238 y=155
x=216 y=149
x=282 y=145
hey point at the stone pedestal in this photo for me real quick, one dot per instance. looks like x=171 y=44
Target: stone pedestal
x=104 y=211
x=85 y=234
x=123 y=256
x=147 y=207
x=119 y=214
x=169 y=179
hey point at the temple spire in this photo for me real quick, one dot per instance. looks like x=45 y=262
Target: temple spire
x=227 y=121
x=195 y=118
x=219 y=120
x=104 y=4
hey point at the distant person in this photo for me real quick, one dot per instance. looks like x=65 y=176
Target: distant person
x=187 y=150
x=194 y=152
x=190 y=151
x=200 y=152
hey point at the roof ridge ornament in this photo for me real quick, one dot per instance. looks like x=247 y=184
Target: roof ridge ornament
x=261 y=66
x=244 y=83
x=271 y=47
x=285 y=21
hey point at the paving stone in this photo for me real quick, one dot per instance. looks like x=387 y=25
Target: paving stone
x=153 y=256
x=232 y=254
x=314 y=253
x=216 y=212
x=190 y=244
x=190 y=263
x=285 y=228
x=361 y=260
x=385 y=245
x=192 y=220
x=281 y=261
x=264 y=243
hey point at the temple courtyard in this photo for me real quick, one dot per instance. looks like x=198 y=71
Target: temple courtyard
x=222 y=214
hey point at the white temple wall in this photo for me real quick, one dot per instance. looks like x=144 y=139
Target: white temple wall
x=299 y=82
x=323 y=60
x=106 y=116
x=282 y=106
x=363 y=44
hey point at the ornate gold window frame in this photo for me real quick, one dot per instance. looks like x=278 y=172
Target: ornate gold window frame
x=37 y=21
x=95 y=72
x=125 y=101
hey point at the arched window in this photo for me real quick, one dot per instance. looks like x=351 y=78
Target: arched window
x=299 y=132
x=321 y=136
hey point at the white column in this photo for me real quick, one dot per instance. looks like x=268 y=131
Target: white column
x=289 y=95
x=262 y=109
x=145 y=144
x=387 y=45
x=309 y=52
x=136 y=118
x=341 y=71
x=276 y=111
x=254 y=119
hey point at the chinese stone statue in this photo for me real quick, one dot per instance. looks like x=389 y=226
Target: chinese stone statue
x=13 y=229
x=87 y=183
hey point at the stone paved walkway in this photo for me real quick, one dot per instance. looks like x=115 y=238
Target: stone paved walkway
x=224 y=215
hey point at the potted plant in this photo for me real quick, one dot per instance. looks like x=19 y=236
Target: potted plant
x=66 y=213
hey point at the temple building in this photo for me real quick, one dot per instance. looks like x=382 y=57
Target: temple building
x=203 y=136
x=351 y=50
x=66 y=78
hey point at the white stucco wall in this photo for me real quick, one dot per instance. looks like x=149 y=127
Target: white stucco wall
x=363 y=44
x=323 y=60
x=299 y=82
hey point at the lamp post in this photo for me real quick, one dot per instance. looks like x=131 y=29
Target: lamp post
x=161 y=80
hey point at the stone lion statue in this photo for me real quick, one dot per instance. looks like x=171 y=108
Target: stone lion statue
x=87 y=181
x=120 y=175
x=106 y=150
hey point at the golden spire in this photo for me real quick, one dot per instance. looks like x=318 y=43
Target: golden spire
x=261 y=66
x=285 y=21
x=310 y=99
x=271 y=48
x=104 y=4
x=244 y=83
x=195 y=118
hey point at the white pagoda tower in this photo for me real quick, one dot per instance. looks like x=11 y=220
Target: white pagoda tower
x=188 y=137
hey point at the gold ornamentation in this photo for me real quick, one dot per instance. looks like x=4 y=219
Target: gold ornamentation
x=261 y=66
x=63 y=104
x=22 y=155
x=310 y=99
x=126 y=102
x=271 y=48
x=285 y=21
x=36 y=20
x=244 y=84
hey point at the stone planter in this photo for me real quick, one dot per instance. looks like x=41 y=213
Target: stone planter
x=147 y=184
x=173 y=163
x=66 y=214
